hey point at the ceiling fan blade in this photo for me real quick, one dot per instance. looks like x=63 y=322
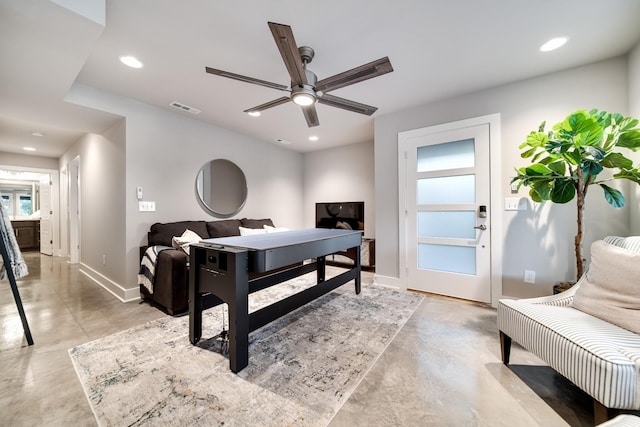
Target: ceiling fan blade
x=310 y=115
x=346 y=104
x=269 y=104
x=283 y=35
x=245 y=79
x=355 y=75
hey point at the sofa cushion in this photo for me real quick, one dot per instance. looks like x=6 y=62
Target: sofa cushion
x=611 y=290
x=185 y=240
x=224 y=228
x=271 y=229
x=163 y=233
x=256 y=223
x=244 y=231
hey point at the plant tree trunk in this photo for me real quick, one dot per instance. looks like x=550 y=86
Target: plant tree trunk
x=581 y=193
x=578 y=238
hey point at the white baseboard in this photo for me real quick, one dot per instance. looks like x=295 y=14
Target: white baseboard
x=393 y=282
x=123 y=294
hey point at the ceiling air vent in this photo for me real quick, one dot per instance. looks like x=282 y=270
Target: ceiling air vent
x=183 y=107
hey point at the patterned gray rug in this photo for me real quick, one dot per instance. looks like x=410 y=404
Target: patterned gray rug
x=302 y=367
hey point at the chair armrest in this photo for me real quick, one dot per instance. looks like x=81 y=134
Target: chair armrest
x=562 y=299
x=174 y=258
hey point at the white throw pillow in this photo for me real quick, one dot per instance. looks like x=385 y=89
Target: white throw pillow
x=183 y=242
x=611 y=290
x=271 y=229
x=244 y=231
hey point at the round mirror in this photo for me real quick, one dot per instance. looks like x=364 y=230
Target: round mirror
x=221 y=188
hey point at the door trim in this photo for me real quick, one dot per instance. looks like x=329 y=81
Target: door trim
x=55 y=200
x=495 y=172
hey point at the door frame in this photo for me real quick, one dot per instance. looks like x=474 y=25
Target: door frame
x=495 y=172
x=74 y=211
x=54 y=176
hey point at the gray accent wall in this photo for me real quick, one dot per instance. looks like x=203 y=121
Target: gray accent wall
x=541 y=238
x=341 y=174
x=634 y=110
x=162 y=152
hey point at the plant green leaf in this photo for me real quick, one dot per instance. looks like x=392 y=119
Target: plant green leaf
x=591 y=167
x=529 y=152
x=613 y=196
x=631 y=175
x=563 y=191
x=616 y=160
x=629 y=139
x=542 y=189
x=558 y=167
x=596 y=152
x=534 y=196
x=537 y=169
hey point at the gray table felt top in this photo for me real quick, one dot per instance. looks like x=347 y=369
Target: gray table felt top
x=261 y=242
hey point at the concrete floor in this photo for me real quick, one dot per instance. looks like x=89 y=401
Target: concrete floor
x=442 y=369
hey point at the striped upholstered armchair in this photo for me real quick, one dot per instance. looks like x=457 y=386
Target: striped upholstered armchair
x=601 y=358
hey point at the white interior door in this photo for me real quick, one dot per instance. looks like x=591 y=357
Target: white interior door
x=46 y=212
x=448 y=213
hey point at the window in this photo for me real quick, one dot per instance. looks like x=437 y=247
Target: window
x=25 y=207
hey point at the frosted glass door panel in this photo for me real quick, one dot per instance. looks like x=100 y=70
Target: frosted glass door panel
x=452 y=259
x=446 y=190
x=448 y=224
x=451 y=155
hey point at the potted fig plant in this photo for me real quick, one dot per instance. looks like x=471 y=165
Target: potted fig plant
x=569 y=159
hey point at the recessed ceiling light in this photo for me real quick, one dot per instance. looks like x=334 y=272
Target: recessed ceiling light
x=131 y=61
x=28 y=149
x=254 y=113
x=36 y=133
x=313 y=138
x=553 y=44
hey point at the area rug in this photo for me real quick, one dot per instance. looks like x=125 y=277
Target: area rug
x=302 y=367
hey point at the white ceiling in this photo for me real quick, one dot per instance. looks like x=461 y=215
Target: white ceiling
x=438 y=49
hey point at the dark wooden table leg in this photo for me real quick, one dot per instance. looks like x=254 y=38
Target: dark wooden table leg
x=238 y=312
x=195 y=298
x=359 y=267
x=321 y=268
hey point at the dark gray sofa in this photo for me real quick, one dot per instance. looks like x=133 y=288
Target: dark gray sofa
x=171 y=282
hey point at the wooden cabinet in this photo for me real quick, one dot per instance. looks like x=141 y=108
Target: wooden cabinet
x=27 y=234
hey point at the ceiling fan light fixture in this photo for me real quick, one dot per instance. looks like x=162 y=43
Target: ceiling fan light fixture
x=303 y=96
x=254 y=113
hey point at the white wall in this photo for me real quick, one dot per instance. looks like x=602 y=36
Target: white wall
x=342 y=174
x=163 y=154
x=540 y=239
x=634 y=110
x=28 y=162
x=102 y=226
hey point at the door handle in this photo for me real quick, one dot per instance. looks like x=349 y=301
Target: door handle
x=480 y=227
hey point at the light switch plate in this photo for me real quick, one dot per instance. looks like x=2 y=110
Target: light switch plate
x=147 y=206
x=515 y=204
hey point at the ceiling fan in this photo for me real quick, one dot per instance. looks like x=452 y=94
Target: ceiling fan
x=306 y=89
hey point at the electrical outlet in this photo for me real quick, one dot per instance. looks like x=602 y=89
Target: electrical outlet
x=529 y=276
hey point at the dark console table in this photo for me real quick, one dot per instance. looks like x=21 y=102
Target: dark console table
x=222 y=266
